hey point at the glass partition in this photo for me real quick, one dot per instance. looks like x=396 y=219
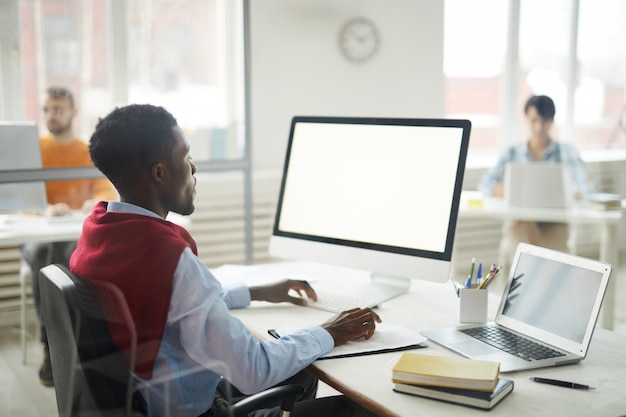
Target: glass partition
x=184 y=55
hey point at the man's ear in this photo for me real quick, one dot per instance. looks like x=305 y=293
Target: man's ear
x=159 y=172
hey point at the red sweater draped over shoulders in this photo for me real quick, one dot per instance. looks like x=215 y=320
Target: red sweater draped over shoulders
x=139 y=255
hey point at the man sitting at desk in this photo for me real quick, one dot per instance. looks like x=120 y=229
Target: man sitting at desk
x=174 y=299
x=540 y=147
x=61 y=149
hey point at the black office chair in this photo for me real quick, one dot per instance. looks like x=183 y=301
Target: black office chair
x=92 y=377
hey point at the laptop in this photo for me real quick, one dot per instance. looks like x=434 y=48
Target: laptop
x=538 y=184
x=19 y=149
x=551 y=299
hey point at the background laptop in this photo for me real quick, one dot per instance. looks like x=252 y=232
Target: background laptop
x=19 y=149
x=551 y=298
x=538 y=184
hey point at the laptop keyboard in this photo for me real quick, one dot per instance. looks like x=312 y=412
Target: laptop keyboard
x=512 y=343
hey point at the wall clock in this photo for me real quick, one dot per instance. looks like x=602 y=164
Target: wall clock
x=359 y=39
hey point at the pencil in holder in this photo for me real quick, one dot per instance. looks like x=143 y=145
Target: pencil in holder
x=473 y=305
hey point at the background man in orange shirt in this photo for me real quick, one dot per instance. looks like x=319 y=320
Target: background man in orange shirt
x=61 y=149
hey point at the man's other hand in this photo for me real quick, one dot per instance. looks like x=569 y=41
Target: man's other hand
x=280 y=292
x=59 y=209
x=88 y=205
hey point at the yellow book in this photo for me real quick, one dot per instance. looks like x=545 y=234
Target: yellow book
x=444 y=371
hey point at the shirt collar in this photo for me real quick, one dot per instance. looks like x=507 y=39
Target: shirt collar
x=547 y=152
x=121 y=207
x=551 y=148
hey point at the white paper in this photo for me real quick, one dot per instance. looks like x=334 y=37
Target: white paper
x=386 y=337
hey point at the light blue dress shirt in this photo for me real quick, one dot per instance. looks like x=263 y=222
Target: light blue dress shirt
x=555 y=152
x=203 y=341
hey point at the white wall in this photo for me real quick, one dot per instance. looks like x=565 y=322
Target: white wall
x=297 y=67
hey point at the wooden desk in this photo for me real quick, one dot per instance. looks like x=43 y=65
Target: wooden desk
x=367 y=379
x=608 y=222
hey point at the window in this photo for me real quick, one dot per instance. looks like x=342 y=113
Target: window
x=186 y=55
x=599 y=106
x=479 y=68
x=474 y=58
x=543 y=56
x=178 y=58
x=61 y=46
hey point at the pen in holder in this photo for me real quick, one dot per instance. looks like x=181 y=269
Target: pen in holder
x=473 y=305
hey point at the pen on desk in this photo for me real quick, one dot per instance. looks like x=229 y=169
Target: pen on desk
x=484 y=282
x=487 y=277
x=468 y=283
x=498 y=269
x=490 y=277
x=457 y=287
x=479 y=274
x=558 y=383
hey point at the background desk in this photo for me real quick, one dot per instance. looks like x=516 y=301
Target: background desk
x=18 y=229
x=367 y=379
x=608 y=222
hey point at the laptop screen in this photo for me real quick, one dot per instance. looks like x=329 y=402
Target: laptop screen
x=551 y=295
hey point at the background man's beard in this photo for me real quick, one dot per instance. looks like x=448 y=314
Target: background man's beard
x=60 y=129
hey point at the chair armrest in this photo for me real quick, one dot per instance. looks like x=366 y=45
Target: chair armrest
x=288 y=394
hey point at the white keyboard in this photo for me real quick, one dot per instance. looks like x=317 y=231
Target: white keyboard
x=337 y=303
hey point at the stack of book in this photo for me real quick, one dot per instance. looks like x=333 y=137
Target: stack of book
x=469 y=382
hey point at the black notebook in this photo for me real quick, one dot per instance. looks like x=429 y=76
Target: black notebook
x=470 y=398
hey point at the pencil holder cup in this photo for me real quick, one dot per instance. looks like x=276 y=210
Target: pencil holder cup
x=473 y=305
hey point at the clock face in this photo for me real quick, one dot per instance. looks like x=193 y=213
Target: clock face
x=359 y=39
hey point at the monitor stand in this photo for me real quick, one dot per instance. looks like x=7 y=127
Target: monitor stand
x=383 y=287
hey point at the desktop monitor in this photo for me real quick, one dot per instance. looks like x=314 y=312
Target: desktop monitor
x=374 y=194
x=19 y=149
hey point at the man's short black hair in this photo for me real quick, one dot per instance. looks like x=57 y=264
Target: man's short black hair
x=543 y=104
x=130 y=139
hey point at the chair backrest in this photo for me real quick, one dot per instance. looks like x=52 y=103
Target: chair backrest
x=91 y=375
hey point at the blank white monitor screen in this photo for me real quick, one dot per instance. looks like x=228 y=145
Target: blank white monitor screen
x=19 y=149
x=381 y=195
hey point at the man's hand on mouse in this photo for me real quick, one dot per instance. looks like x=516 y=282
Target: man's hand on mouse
x=352 y=324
